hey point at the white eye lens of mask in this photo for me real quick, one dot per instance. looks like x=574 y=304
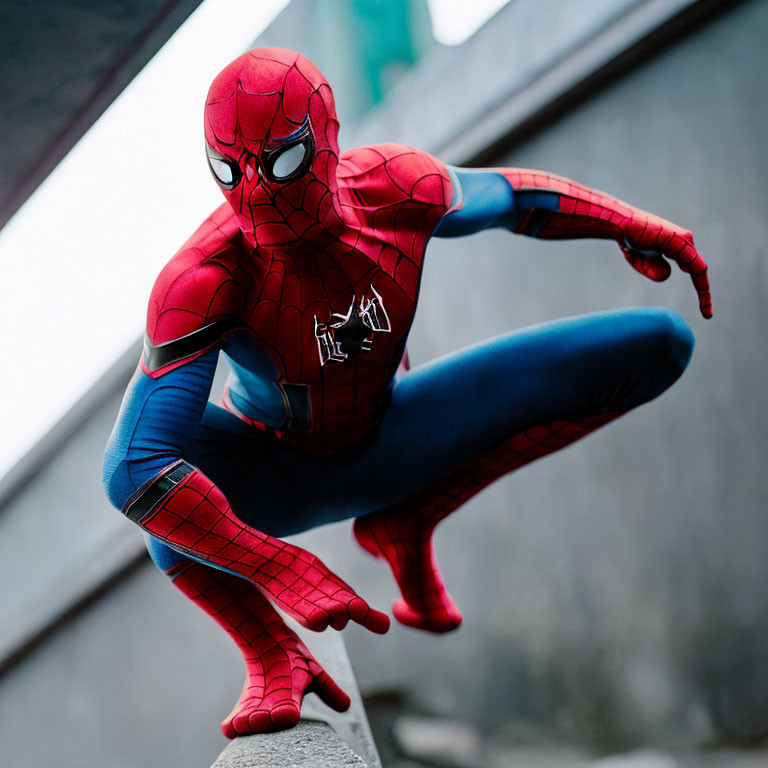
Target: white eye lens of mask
x=288 y=161
x=222 y=170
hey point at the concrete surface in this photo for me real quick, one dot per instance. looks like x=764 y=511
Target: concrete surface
x=351 y=726
x=308 y=745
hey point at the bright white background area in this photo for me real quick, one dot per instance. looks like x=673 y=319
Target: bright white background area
x=79 y=258
x=454 y=21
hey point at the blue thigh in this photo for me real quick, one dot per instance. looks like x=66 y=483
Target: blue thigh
x=271 y=487
x=455 y=409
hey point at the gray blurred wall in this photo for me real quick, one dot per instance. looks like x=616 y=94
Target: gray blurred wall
x=617 y=590
x=613 y=594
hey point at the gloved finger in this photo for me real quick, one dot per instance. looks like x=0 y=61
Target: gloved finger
x=690 y=261
x=655 y=267
x=368 y=617
x=329 y=692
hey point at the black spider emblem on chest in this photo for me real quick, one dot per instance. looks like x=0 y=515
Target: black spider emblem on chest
x=346 y=335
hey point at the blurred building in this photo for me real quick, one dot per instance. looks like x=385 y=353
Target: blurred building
x=614 y=593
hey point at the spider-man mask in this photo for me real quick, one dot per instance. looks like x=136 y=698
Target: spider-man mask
x=271 y=139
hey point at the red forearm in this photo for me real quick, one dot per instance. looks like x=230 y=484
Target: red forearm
x=554 y=207
x=184 y=509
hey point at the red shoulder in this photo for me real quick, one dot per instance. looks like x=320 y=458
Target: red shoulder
x=199 y=295
x=384 y=174
x=396 y=195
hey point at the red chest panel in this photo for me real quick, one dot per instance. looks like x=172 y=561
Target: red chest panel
x=352 y=292
x=289 y=307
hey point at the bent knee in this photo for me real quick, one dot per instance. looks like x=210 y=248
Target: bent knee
x=672 y=341
x=661 y=350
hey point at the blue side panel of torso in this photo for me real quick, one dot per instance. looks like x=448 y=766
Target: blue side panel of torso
x=253 y=385
x=157 y=419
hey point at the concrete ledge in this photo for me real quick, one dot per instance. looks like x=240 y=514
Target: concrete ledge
x=351 y=726
x=310 y=743
x=323 y=737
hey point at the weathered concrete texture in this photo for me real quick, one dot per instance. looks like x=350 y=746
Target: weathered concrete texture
x=352 y=726
x=308 y=745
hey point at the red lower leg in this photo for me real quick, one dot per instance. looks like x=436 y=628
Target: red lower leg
x=279 y=668
x=402 y=534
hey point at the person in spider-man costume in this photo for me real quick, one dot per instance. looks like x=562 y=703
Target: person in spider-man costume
x=306 y=279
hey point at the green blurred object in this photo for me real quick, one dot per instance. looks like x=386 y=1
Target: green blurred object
x=363 y=47
x=392 y=36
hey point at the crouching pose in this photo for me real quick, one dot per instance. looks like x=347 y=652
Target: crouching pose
x=306 y=279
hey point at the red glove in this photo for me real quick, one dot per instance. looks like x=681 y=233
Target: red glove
x=648 y=238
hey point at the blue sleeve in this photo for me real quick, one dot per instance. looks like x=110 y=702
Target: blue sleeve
x=484 y=199
x=157 y=419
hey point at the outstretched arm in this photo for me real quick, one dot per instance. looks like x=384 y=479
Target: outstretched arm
x=543 y=205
